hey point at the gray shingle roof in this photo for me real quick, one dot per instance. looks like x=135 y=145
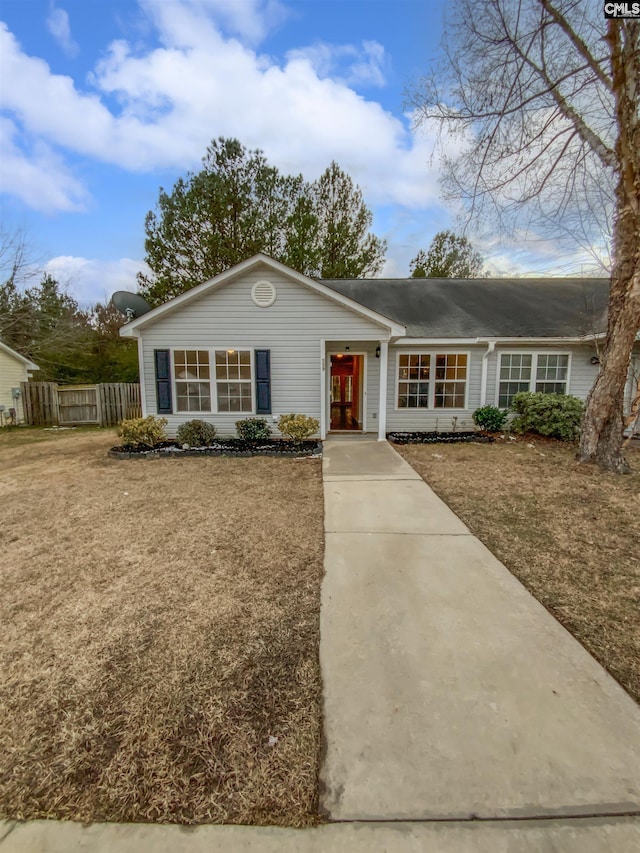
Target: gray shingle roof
x=499 y=307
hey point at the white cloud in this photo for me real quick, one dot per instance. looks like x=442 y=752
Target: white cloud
x=90 y=280
x=198 y=84
x=345 y=63
x=59 y=27
x=188 y=20
x=38 y=178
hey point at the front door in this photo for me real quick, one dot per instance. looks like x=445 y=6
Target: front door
x=346 y=391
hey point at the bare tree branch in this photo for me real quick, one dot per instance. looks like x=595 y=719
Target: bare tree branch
x=594 y=64
x=544 y=97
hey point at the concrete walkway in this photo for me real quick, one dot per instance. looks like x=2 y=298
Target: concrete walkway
x=450 y=692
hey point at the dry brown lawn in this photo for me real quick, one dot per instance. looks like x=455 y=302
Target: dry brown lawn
x=160 y=624
x=569 y=532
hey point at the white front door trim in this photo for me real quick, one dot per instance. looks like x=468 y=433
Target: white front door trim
x=325 y=402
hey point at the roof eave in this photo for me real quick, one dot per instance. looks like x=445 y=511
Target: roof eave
x=485 y=339
x=30 y=365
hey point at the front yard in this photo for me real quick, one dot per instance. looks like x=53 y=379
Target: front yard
x=160 y=624
x=570 y=533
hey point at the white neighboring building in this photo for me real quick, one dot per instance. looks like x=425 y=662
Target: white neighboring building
x=14 y=369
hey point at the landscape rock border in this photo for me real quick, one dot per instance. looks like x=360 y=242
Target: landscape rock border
x=438 y=437
x=229 y=447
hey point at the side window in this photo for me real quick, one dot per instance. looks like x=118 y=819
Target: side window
x=515 y=376
x=552 y=373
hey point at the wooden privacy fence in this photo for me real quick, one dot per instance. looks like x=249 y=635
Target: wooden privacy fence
x=48 y=404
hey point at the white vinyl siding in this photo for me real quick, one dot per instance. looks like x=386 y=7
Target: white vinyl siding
x=12 y=373
x=291 y=329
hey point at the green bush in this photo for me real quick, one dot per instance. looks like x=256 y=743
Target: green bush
x=553 y=415
x=253 y=429
x=298 y=427
x=143 y=432
x=196 y=433
x=489 y=418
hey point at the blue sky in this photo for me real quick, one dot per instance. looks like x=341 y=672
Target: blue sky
x=104 y=102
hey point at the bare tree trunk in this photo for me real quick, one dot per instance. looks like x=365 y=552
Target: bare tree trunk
x=603 y=424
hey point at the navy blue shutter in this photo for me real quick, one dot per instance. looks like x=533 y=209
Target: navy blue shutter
x=163 y=381
x=263 y=381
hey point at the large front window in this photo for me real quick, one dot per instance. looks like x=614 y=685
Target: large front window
x=193 y=385
x=428 y=380
x=233 y=380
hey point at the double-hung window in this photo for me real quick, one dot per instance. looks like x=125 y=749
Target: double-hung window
x=451 y=381
x=551 y=374
x=413 y=381
x=432 y=381
x=515 y=376
x=545 y=372
x=193 y=382
x=233 y=380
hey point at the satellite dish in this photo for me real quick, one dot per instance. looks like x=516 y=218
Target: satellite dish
x=132 y=305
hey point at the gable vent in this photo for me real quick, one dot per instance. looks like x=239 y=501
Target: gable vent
x=263 y=294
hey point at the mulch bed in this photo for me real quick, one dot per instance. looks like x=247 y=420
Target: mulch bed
x=438 y=437
x=220 y=447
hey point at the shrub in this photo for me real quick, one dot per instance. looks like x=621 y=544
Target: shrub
x=253 y=429
x=143 y=432
x=297 y=427
x=489 y=418
x=553 y=415
x=196 y=433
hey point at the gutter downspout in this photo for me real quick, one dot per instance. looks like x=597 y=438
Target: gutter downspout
x=323 y=391
x=491 y=345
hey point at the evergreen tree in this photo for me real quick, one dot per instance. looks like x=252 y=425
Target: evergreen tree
x=238 y=205
x=347 y=249
x=449 y=256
